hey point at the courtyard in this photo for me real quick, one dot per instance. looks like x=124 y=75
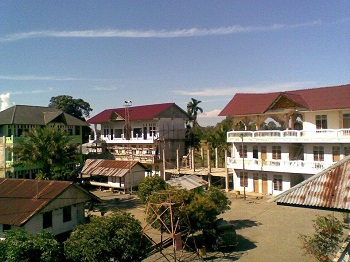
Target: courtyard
x=266 y=231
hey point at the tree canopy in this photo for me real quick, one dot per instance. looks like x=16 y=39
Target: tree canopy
x=200 y=208
x=193 y=108
x=74 y=107
x=148 y=185
x=324 y=243
x=48 y=149
x=20 y=246
x=117 y=237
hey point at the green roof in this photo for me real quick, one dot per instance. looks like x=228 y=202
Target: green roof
x=36 y=115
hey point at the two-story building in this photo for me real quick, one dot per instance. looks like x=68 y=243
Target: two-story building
x=17 y=119
x=283 y=138
x=148 y=133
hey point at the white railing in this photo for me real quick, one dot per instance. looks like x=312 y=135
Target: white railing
x=111 y=139
x=293 y=166
x=236 y=136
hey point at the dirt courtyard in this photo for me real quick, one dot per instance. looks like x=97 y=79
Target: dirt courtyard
x=266 y=232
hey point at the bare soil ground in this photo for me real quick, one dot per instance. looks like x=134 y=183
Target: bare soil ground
x=266 y=232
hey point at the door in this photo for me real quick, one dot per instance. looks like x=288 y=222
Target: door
x=336 y=153
x=255 y=152
x=264 y=184
x=256 y=183
x=145 y=132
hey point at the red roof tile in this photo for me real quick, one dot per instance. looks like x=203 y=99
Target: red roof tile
x=135 y=113
x=323 y=98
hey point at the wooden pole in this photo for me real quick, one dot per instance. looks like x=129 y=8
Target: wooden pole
x=209 y=168
x=193 y=160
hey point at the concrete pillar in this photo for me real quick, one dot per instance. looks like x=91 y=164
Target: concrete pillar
x=177 y=160
x=202 y=156
x=216 y=158
x=164 y=165
x=226 y=169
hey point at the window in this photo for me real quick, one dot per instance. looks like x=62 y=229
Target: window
x=5 y=227
x=243 y=180
x=118 y=133
x=318 y=153
x=67 y=214
x=137 y=132
x=321 y=122
x=346 y=120
x=346 y=150
x=336 y=153
x=47 y=219
x=152 y=129
x=277 y=183
x=244 y=151
x=70 y=130
x=276 y=152
x=77 y=130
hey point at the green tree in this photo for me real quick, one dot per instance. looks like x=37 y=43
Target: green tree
x=192 y=110
x=48 y=149
x=74 y=107
x=117 y=237
x=201 y=207
x=148 y=185
x=20 y=246
x=324 y=243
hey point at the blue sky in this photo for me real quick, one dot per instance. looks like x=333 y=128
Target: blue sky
x=106 y=52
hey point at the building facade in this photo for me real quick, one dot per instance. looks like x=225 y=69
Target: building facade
x=148 y=134
x=37 y=205
x=15 y=120
x=283 y=138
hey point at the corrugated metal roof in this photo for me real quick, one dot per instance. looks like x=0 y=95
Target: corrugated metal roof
x=36 y=115
x=323 y=98
x=102 y=167
x=20 y=199
x=187 y=182
x=328 y=189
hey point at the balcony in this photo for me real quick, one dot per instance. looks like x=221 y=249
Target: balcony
x=122 y=140
x=274 y=165
x=291 y=136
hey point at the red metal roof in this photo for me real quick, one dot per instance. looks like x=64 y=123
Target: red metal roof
x=329 y=189
x=135 y=113
x=323 y=98
x=102 y=167
x=20 y=199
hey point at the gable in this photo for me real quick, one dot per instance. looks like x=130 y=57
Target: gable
x=284 y=102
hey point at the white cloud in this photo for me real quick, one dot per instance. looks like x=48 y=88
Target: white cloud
x=210 y=118
x=5 y=101
x=33 y=92
x=37 y=78
x=104 y=88
x=191 y=32
x=260 y=88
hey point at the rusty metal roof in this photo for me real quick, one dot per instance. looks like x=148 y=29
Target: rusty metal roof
x=103 y=167
x=20 y=199
x=187 y=182
x=328 y=189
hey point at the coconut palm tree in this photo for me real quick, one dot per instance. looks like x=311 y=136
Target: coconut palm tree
x=48 y=149
x=192 y=110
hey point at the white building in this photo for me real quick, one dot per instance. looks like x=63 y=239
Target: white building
x=142 y=133
x=37 y=205
x=283 y=138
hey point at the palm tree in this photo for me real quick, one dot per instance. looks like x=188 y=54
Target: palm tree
x=192 y=110
x=48 y=149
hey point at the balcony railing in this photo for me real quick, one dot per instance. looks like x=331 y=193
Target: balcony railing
x=290 y=135
x=122 y=139
x=291 y=166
